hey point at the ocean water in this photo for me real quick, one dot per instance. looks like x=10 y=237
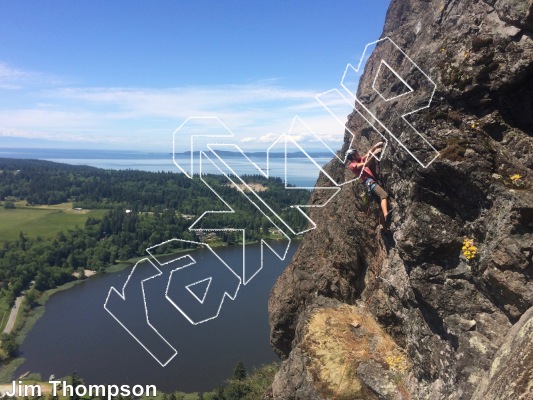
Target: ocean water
x=300 y=171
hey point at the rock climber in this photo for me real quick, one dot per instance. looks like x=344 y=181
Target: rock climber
x=363 y=167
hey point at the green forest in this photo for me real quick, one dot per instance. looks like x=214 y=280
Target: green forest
x=134 y=210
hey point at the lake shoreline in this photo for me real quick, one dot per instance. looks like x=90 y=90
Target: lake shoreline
x=25 y=324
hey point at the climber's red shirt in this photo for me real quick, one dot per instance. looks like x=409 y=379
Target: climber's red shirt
x=367 y=173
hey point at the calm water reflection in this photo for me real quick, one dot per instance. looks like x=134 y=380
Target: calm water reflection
x=77 y=334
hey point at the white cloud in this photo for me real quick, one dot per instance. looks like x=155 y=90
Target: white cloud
x=11 y=78
x=186 y=101
x=256 y=113
x=7 y=72
x=15 y=79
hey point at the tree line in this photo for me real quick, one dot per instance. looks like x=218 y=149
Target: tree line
x=45 y=182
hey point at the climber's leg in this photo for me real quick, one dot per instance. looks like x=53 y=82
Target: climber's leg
x=383 y=196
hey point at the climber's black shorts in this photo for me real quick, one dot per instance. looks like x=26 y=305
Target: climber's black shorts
x=379 y=192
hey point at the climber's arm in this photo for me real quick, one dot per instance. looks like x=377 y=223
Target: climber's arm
x=375 y=147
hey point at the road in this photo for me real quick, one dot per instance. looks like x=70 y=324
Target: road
x=13 y=315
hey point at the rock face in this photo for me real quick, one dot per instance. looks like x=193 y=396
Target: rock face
x=451 y=317
x=511 y=373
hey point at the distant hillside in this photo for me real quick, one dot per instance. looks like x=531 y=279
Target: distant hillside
x=263 y=154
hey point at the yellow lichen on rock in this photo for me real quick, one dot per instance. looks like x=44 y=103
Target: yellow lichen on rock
x=337 y=341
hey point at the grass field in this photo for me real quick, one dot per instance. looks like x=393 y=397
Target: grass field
x=44 y=221
x=5 y=309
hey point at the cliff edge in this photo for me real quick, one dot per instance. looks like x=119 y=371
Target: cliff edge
x=364 y=314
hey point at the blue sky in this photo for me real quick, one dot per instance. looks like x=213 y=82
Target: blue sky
x=125 y=74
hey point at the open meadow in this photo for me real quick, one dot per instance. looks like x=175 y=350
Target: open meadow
x=44 y=221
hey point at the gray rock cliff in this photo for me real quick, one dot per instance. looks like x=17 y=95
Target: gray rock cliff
x=363 y=314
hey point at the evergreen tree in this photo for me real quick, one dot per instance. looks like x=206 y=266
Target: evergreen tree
x=9 y=345
x=237 y=387
x=75 y=382
x=239 y=373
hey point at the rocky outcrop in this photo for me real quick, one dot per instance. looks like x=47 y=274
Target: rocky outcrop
x=345 y=353
x=516 y=12
x=511 y=372
x=449 y=315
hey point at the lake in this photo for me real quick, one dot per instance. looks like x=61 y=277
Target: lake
x=76 y=333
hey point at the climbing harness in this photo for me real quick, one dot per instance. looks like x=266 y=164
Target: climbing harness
x=370 y=184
